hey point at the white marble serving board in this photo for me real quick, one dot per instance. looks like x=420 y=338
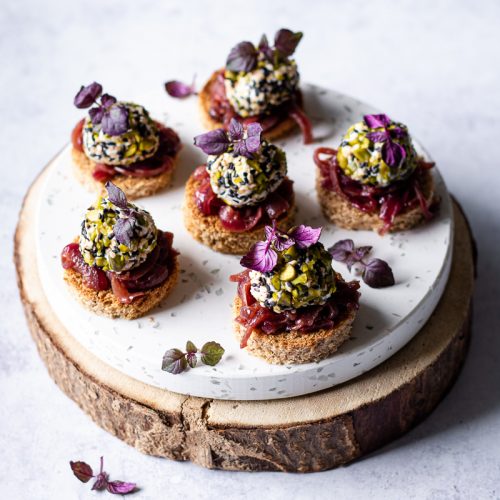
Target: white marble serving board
x=199 y=309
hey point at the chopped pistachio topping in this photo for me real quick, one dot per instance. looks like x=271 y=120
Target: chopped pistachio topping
x=266 y=86
x=361 y=158
x=240 y=181
x=302 y=277
x=139 y=142
x=99 y=246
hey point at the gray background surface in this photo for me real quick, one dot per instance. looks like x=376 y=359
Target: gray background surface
x=431 y=64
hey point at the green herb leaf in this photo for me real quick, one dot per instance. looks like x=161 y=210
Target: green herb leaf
x=211 y=353
x=174 y=361
x=190 y=347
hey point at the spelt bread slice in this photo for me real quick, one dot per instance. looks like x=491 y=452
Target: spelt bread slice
x=294 y=347
x=133 y=187
x=105 y=302
x=279 y=130
x=343 y=214
x=208 y=229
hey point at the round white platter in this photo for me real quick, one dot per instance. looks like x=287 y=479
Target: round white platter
x=199 y=309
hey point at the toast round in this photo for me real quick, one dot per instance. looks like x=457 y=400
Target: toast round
x=343 y=214
x=208 y=229
x=133 y=187
x=279 y=130
x=105 y=303
x=294 y=347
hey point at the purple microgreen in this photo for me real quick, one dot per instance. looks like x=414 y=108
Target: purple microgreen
x=82 y=471
x=377 y=274
x=121 y=487
x=124 y=230
x=305 y=236
x=211 y=353
x=175 y=361
x=236 y=130
x=393 y=153
x=377 y=121
x=116 y=196
x=261 y=257
x=214 y=142
x=176 y=88
x=265 y=48
x=87 y=95
x=112 y=117
x=377 y=136
x=286 y=41
x=247 y=147
x=108 y=100
x=243 y=57
x=115 y=120
x=96 y=115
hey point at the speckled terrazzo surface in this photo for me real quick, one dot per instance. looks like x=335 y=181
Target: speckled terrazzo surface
x=438 y=78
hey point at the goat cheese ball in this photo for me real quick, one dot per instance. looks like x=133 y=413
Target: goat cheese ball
x=240 y=181
x=139 y=142
x=302 y=277
x=361 y=159
x=99 y=246
x=266 y=86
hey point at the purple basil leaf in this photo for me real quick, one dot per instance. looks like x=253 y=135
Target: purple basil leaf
x=254 y=129
x=108 y=100
x=101 y=481
x=82 y=471
x=87 y=95
x=397 y=133
x=191 y=359
x=265 y=48
x=116 y=195
x=240 y=148
x=174 y=361
x=393 y=153
x=342 y=250
x=286 y=41
x=261 y=257
x=124 y=230
x=377 y=274
x=214 y=142
x=377 y=121
x=305 y=236
x=243 y=57
x=362 y=252
x=381 y=136
x=282 y=241
x=252 y=144
x=115 y=120
x=120 y=487
x=175 y=88
x=96 y=114
x=236 y=130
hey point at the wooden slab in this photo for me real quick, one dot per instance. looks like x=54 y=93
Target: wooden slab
x=308 y=433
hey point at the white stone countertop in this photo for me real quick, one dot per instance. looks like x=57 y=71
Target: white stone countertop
x=431 y=64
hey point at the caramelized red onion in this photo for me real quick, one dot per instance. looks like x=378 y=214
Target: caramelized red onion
x=388 y=201
x=222 y=111
x=273 y=207
x=129 y=285
x=304 y=320
x=159 y=163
